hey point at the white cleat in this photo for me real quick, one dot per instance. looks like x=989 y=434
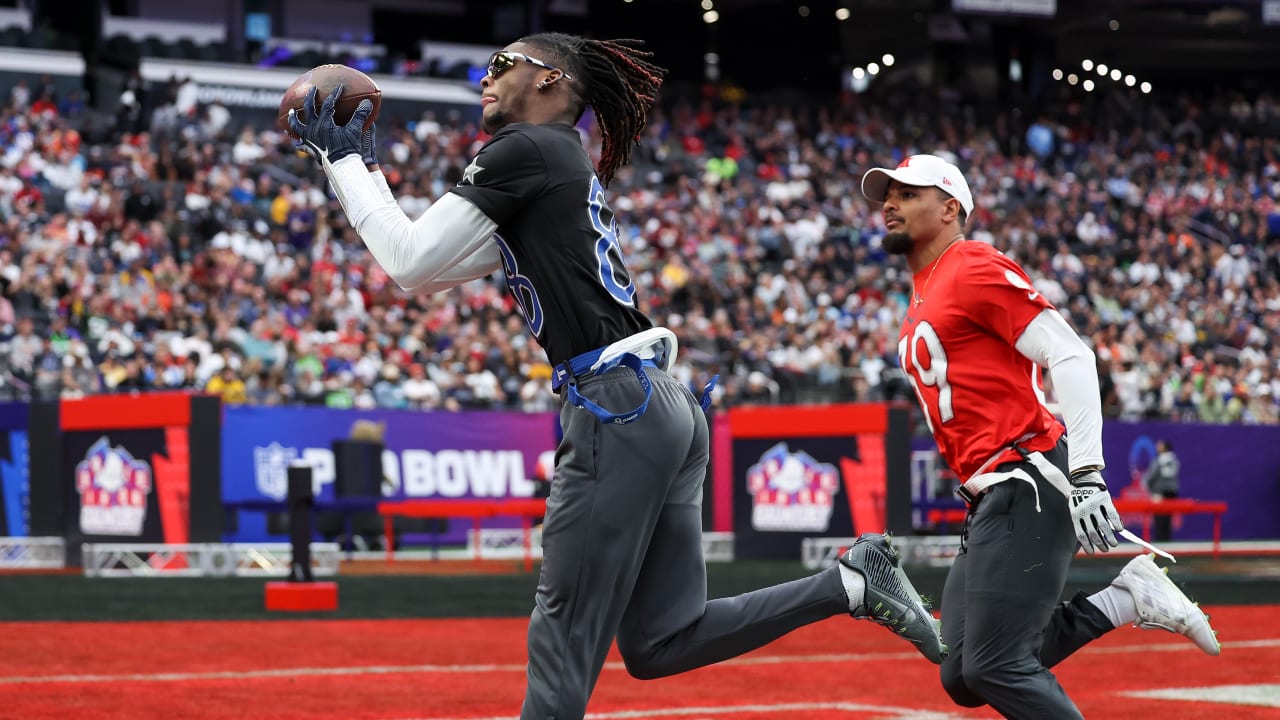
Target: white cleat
x=1162 y=604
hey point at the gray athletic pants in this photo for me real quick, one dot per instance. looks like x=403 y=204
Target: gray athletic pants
x=1000 y=612
x=622 y=554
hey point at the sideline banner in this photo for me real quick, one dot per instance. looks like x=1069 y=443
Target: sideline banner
x=805 y=471
x=125 y=468
x=14 y=470
x=438 y=455
x=1236 y=464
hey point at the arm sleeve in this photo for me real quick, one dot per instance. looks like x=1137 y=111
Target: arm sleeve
x=1051 y=343
x=380 y=182
x=437 y=251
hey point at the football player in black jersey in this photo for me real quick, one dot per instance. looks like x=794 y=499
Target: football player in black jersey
x=622 y=538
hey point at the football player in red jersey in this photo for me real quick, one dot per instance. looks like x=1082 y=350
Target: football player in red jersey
x=975 y=339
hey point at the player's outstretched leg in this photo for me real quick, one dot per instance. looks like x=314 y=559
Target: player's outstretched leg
x=880 y=591
x=1161 y=604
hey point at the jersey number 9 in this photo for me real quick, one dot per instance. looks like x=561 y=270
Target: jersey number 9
x=935 y=375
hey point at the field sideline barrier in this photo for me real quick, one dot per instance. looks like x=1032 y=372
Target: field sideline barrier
x=201 y=559
x=33 y=553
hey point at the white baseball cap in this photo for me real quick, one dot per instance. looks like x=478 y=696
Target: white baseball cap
x=919 y=171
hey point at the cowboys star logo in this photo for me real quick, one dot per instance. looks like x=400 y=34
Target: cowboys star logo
x=470 y=172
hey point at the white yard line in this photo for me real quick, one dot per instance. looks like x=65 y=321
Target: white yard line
x=520 y=668
x=878 y=711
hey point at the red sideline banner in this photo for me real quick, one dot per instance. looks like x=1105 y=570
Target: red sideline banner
x=784 y=473
x=126 y=468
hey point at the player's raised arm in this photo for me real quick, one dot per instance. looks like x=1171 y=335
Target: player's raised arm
x=449 y=245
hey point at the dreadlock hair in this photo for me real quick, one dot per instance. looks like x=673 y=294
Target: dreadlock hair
x=617 y=78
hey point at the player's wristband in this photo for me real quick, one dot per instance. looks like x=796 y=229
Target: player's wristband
x=1078 y=472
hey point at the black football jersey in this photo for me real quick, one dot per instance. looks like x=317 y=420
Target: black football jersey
x=557 y=237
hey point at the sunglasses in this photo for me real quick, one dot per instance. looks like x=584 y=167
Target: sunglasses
x=504 y=60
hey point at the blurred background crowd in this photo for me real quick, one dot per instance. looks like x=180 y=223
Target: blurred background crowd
x=185 y=250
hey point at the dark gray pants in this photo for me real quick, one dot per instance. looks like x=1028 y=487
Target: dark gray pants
x=622 y=555
x=1000 y=611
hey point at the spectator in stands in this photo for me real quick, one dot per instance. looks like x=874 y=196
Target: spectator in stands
x=228 y=385
x=1162 y=480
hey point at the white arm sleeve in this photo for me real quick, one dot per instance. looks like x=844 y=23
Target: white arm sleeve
x=380 y=182
x=1050 y=342
x=449 y=245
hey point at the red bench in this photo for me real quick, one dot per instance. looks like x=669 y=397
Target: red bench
x=525 y=508
x=1175 y=506
x=1147 y=508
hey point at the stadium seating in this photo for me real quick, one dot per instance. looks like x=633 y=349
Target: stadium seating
x=185 y=248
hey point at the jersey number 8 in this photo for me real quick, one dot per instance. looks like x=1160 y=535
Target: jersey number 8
x=613 y=274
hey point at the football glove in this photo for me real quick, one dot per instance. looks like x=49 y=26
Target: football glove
x=369 y=145
x=321 y=136
x=1093 y=514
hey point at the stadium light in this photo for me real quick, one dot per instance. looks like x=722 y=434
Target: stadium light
x=1146 y=87
x=887 y=59
x=1102 y=69
x=1087 y=64
x=1115 y=74
x=706 y=5
x=709 y=17
x=1088 y=86
x=1072 y=79
x=873 y=69
x=1057 y=74
x=842 y=13
x=1130 y=80
x=859 y=73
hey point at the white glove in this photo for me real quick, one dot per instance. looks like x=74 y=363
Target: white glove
x=1093 y=515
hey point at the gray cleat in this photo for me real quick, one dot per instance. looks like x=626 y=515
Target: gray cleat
x=890 y=599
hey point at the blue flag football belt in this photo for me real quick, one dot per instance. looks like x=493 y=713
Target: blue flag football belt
x=566 y=375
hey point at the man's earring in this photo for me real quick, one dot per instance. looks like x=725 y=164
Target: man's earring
x=542 y=84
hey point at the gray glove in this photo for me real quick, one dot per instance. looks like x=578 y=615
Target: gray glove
x=1093 y=514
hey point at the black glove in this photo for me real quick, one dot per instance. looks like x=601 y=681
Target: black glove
x=321 y=136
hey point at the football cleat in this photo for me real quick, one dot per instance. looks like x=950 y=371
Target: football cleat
x=890 y=599
x=1162 y=604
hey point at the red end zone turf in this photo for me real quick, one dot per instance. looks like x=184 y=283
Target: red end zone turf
x=428 y=669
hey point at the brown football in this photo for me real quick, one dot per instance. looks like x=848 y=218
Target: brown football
x=356 y=86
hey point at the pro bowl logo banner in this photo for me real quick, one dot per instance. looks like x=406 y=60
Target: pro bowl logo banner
x=430 y=455
x=113 y=489
x=791 y=491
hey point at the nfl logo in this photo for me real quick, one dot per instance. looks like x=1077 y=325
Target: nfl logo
x=271 y=469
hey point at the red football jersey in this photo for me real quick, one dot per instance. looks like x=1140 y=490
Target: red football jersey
x=979 y=394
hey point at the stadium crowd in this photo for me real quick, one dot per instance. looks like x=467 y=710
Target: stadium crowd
x=190 y=251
